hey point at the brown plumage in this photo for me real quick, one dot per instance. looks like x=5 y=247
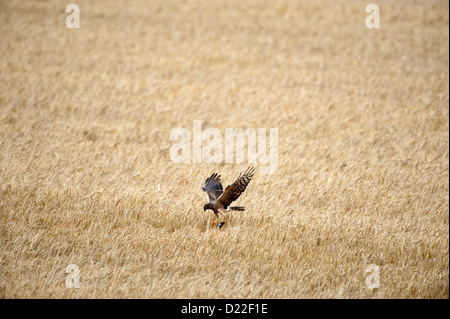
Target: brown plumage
x=218 y=200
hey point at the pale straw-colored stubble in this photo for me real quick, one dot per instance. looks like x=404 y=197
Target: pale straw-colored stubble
x=86 y=176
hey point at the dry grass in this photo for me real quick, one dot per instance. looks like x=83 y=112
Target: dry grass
x=86 y=177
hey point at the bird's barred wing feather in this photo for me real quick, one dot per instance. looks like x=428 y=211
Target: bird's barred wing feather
x=233 y=191
x=213 y=187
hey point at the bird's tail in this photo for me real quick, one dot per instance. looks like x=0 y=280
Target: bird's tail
x=238 y=208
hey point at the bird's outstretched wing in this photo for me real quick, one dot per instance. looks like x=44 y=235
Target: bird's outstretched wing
x=213 y=187
x=233 y=191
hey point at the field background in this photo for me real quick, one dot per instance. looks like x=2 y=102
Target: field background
x=85 y=170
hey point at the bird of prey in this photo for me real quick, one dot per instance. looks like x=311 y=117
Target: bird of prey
x=219 y=200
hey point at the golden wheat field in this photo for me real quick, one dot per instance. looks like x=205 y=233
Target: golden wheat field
x=86 y=176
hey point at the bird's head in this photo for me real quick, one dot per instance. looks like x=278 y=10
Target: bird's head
x=206 y=206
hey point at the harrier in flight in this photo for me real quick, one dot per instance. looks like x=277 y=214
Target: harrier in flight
x=219 y=200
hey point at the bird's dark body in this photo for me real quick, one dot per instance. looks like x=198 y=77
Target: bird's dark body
x=219 y=200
